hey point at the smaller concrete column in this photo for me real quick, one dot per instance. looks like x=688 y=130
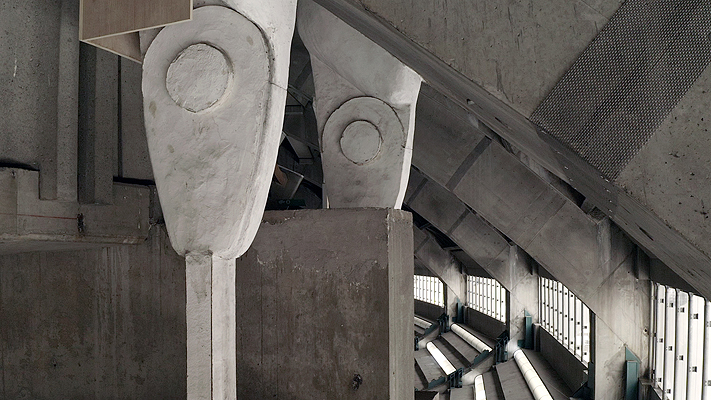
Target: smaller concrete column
x=365 y=111
x=316 y=309
x=210 y=319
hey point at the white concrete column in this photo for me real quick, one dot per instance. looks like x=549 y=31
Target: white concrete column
x=211 y=326
x=214 y=93
x=365 y=109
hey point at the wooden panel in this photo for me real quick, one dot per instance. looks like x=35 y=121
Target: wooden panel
x=126 y=45
x=100 y=18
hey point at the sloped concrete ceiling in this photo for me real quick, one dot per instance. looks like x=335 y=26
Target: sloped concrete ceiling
x=499 y=60
x=516 y=50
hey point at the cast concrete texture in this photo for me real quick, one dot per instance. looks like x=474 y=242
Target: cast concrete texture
x=211 y=327
x=105 y=323
x=212 y=167
x=28 y=223
x=566 y=34
x=356 y=81
x=316 y=308
x=597 y=264
x=670 y=175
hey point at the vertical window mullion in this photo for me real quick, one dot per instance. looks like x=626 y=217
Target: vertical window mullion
x=706 y=390
x=660 y=329
x=696 y=347
x=682 y=345
x=670 y=342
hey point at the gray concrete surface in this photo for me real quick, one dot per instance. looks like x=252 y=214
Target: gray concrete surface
x=670 y=175
x=105 y=323
x=323 y=295
x=516 y=51
x=441 y=263
x=597 y=264
x=25 y=219
x=379 y=21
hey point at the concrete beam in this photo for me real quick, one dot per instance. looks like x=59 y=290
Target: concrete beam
x=98 y=125
x=28 y=223
x=442 y=62
x=442 y=264
x=596 y=262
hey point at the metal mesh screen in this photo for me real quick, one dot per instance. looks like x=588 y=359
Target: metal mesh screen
x=618 y=92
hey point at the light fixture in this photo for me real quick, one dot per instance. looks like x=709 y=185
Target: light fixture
x=471 y=339
x=446 y=366
x=535 y=384
x=479 y=393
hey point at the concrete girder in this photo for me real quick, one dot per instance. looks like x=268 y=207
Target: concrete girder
x=441 y=263
x=365 y=111
x=28 y=223
x=681 y=247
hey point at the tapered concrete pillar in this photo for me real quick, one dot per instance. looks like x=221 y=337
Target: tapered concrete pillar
x=365 y=109
x=214 y=93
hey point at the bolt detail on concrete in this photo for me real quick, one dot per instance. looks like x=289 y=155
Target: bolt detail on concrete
x=365 y=110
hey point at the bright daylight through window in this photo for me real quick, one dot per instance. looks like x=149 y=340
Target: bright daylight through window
x=565 y=317
x=429 y=289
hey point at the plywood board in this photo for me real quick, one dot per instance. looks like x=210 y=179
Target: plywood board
x=102 y=18
x=126 y=45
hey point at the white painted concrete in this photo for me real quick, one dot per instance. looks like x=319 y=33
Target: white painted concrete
x=198 y=91
x=213 y=149
x=211 y=327
x=214 y=95
x=356 y=80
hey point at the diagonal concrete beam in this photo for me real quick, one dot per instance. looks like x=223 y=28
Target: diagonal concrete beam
x=440 y=262
x=602 y=277
x=629 y=213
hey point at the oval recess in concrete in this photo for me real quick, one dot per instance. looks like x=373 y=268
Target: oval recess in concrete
x=360 y=142
x=198 y=91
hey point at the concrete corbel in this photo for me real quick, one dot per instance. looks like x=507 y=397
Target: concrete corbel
x=365 y=108
x=214 y=94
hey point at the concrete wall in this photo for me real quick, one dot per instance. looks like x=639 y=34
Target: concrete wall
x=428 y=310
x=323 y=295
x=107 y=323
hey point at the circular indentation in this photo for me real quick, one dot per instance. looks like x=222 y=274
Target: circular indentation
x=198 y=77
x=360 y=142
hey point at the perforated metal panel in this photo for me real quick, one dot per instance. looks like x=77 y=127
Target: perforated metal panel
x=622 y=87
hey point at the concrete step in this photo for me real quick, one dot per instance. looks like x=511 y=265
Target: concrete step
x=466 y=351
x=463 y=393
x=419 y=331
x=429 y=367
x=513 y=384
x=451 y=353
x=492 y=387
x=558 y=389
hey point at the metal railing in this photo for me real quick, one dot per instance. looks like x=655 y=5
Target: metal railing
x=681 y=348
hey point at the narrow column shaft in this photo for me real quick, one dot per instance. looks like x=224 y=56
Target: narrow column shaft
x=211 y=329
